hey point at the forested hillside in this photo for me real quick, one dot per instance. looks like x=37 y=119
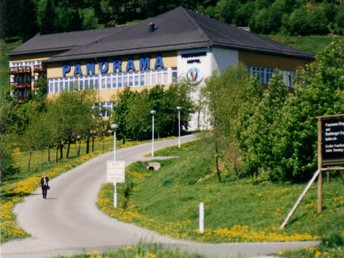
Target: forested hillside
x=25 y=18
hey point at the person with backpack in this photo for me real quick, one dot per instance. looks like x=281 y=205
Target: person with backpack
x=45 y=185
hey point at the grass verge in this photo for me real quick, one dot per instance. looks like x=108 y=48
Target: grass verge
x=142 y=250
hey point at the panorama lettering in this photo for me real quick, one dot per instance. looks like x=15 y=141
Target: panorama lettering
x=104 y=66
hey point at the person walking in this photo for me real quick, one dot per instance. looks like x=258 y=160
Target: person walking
x=45 y=185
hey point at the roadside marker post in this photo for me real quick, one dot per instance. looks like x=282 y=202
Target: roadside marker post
x=114 y=194
x=201 y=218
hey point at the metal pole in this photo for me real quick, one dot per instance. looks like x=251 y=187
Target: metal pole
x=179 y=108
x=114 y=145
x=114 y=126
x=152 y=112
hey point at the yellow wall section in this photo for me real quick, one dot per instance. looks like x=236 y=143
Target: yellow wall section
x=105 y=95
x=271 y=61
x=55 y=69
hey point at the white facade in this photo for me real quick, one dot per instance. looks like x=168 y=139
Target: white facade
x=196 y=65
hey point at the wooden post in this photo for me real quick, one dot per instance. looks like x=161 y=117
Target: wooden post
x=328 y=177
x=319 y=165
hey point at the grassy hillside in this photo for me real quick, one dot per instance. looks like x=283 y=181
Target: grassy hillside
x=249 y=210
x=5 y=48
x=312 y=44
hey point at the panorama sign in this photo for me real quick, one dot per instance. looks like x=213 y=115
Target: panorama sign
x=117 y=65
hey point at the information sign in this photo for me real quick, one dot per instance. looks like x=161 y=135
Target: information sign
x=115 y=171
x=333 y=141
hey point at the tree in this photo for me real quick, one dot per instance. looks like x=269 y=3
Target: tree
x=132 y=111
x=319 y=90
x=28 y=26
x=228 y=94
x=256 y=137
x=138 y=117
x=48 y=18
x=226 y=9
x=72 y=116
x=120 y=112
x=307 y=21
x=9 y=18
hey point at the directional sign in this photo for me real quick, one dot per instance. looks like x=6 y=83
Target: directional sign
x=115 y=171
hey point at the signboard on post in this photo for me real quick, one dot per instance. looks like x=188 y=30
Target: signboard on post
x=330 y=147
x=332 y=141
x=115 y=171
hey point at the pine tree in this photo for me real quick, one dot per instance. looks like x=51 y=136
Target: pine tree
x=48 y=23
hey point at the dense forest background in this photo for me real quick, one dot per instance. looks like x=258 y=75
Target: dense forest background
x=25 y=18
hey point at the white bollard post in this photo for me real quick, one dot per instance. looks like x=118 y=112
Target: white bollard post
x=114 y=194
x=201 y=218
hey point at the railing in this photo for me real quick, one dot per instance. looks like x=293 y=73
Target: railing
x=21 y=85
x=20 y=69
x=39 y=68
x=13 y=70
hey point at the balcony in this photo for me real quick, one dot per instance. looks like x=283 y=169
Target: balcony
x=13 y=70
x=20 y=69
x=21 y=85
x=39 y=69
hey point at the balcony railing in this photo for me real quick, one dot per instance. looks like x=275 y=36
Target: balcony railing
x=21 y=85
x=20 y=69
x=39 y=68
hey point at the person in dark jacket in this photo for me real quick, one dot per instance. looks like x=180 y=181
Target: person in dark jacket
x=45 y=185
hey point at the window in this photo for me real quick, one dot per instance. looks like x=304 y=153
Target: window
x=142 y=79
x=56 y=86
x=103 y=82
x=174 y=74
x=136 y=79
x=114 y=80
x=265 y=74
x=51 y=86
x=105 y=109
x=131 y=80
x=120 y=81
x=96 y=83
x=86 y=83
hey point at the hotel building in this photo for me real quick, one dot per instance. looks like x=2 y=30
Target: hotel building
x=179 y=44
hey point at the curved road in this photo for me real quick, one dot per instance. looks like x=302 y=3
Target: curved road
x=68 y=221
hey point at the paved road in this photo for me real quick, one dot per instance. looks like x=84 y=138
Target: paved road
x=68 y=221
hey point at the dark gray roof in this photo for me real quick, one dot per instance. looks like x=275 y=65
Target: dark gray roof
x=174 y=30
x=61 y=41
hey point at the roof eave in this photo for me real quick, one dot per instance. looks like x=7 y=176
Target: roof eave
x=122 y=52
x=304 y=55
x=19 y=53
